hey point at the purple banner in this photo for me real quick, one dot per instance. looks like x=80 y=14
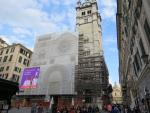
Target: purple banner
x=30 y=77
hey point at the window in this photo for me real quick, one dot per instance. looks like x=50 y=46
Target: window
x=7 y=68
x=1 y=69
x=0 y=59
x=86 y=40
x=7 y=51
x=20 y=59
x=6 y=76
x=1 y=52
x=126 y=31
x=5 y=58
x=132 y=44
x=134 y=30
x=11 y=56
x=138 y=62
x=13 y=77
x=147 y=30
x=129 y=1
x=24 y=52
x=89 y=12
x=86 y=53
x=12 y=49
x=83 y=13
x=17 y=69
x=25 y=61
x=135 y=69
x=17 y=80
x=137 y=13
x=21 y=50
x=28 y=55
x=142 y=47
x=28 y=63
x=2 y=75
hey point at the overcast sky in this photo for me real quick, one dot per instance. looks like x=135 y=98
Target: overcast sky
x=22 y=20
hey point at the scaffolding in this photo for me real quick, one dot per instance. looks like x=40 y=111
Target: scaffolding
x=91 y=74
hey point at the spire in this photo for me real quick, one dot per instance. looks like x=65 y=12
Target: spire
x=78 y=2
x=115 y=84
x=87 y=0
x=90 y=1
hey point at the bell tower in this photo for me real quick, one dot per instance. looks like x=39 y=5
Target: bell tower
x=91 y=73
x=88 y=24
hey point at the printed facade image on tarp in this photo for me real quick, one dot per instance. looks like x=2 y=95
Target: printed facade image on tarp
x=30 y=77
x=57 y=55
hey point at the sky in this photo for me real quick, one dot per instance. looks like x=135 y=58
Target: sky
x=22 y=20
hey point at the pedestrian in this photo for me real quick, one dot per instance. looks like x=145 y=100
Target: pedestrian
x=65 y=110
x=78 y=110
x=113 y=109
x=40 y=109
x=89 y=109
x=33 y=108
x=109 y=108
x=18 y=106
x=72 y=110
x=84 y=110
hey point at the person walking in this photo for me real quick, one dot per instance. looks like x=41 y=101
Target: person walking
x=113 y=109
x=33 y=108
x=40 y=109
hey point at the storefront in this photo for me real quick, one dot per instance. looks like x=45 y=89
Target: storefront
x=7 y=90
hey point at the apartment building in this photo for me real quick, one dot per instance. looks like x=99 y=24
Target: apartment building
x=13 y=59
x=133 y=34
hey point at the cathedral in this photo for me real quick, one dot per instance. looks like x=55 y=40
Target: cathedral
x=72 y=65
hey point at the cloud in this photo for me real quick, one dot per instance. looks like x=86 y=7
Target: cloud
x=108 y=9
x=57 y=2
x=1 y=27
x=17 y=39
x=12 y=39
x=27 y=18
x=26 y=14
x=21 y=31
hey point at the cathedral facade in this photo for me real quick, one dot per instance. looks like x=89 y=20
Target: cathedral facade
x=73 y=69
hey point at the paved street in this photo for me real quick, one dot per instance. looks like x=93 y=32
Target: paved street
x=28 y=110
x=21 y=110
